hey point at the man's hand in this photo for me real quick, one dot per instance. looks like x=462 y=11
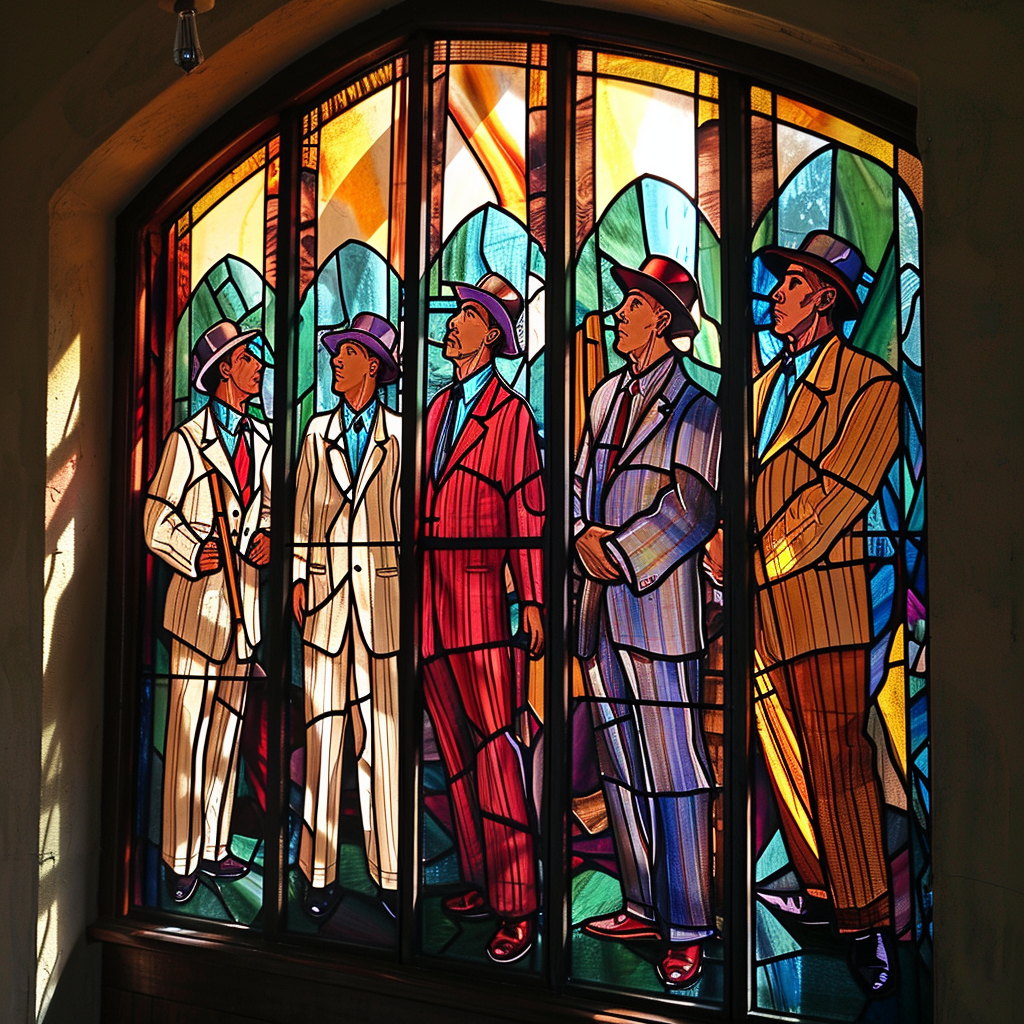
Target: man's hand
x=209 y=558
x=299 y=602
x=259 y=549
x=533 y=625
x=593 y=557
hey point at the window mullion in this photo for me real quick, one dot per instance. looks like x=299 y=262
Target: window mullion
x=277 y=645
x=413 y=412
x=734 y=481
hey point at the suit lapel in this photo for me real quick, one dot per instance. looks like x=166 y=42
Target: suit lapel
x=260 y=447
x=663 y=398
x=216 y=454
x=337 y=456
x=806 y=403
x=474 y=428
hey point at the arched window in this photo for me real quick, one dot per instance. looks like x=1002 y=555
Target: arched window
x=522 y=563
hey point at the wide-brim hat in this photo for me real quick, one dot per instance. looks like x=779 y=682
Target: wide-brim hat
x=670 y=284
x=502 y=301
x=830 y=256
x=213 y=345
x=376 y=335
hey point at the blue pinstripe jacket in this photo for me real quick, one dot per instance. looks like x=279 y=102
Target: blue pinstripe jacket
x=661 y=500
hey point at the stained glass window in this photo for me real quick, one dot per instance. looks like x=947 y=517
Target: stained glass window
x=642 y=424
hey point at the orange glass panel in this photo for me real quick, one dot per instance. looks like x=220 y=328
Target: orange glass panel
x=911 y=172
x=646 y=71
x=815 y=120
x=760 y=100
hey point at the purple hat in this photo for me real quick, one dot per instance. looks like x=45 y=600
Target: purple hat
x=670 y=284
x=502 y=301
x=376 y=335
x=829 y=255
x=213 y=345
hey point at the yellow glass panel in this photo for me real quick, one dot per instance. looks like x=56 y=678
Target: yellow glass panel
x=709 y=85
x=183 y=224
x=210 y=199
x=760 y=100
x=815 y=120
x=892 y=701
x=646 y=71
x=235 y=226
x=358 y=90
x=538 y=89
x=488 y=104
x=355 y=176
x=706 y=111
x=642 y=130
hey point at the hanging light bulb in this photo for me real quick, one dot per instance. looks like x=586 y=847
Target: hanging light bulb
x=188 y=54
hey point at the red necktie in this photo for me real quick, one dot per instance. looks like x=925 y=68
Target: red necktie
x=243 y=463
x=619 y=430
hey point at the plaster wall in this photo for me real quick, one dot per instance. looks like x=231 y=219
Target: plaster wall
x=92 y=107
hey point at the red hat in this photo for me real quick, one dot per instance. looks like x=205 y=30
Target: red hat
x=670 y=284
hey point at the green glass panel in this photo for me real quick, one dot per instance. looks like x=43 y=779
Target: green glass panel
x=863 y=205
x=765 y=234
x=709 y=272
x=620 y=234
x=877 y=331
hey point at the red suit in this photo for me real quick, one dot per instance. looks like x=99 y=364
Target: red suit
x=485 y=499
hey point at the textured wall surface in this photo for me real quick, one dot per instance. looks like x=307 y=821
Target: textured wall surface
x=92 y=107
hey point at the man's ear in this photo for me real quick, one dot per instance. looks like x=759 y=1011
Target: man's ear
x=493 y=337
x=662 y=318
x=374 y=367
x=827 y=298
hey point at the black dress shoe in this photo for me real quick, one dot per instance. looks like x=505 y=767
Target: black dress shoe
x=227 y=869
x=874 y=963
x=322 y=901
x=182 y=887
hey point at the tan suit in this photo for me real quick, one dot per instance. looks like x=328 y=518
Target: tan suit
x=346 y=553
x=814 y=484
x=211 y=652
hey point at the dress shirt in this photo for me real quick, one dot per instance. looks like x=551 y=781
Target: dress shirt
x=793 y=369
x=229 y=423
x=356 y=438
x=647 y=385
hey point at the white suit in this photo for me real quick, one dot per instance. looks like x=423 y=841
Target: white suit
x=211 y=653
x=346 y=554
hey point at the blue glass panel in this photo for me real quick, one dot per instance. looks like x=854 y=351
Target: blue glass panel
x=878 y=663
x=763 y=281
x=671 y=220
x=805 y=203
x=769 y=345
x=883 y=587
x=773 y=859
x=912 y=380
x=910 y=246
x=771 y=939
x=762 y=312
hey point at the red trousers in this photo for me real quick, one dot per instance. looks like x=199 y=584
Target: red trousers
x=469 y=696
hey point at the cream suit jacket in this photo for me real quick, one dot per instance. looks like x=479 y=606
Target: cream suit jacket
x=179 y=518
x=346 y=533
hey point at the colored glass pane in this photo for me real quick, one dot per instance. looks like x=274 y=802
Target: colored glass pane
x=834 y=602
x=646 y=718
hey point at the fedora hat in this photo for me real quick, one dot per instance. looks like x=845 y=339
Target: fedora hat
x=670 y=284
x=830 y=256
x=502 y=301
x=213 y=345
x=376 y=335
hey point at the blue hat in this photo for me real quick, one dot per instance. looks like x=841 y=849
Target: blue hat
x=376 y=335
x=829 y=255
x=213 y=345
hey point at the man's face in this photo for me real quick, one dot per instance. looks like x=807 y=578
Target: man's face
x=352 y=365
x=245 y=370
x=796 y=300
x=469 y=331
x=638 y=320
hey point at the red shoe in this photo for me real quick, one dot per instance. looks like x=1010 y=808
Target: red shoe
x=680 y=967
x=470 y=906
x=624 y=926
x=512 y=941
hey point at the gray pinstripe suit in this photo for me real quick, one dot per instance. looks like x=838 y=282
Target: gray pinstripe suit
x=641 y=640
